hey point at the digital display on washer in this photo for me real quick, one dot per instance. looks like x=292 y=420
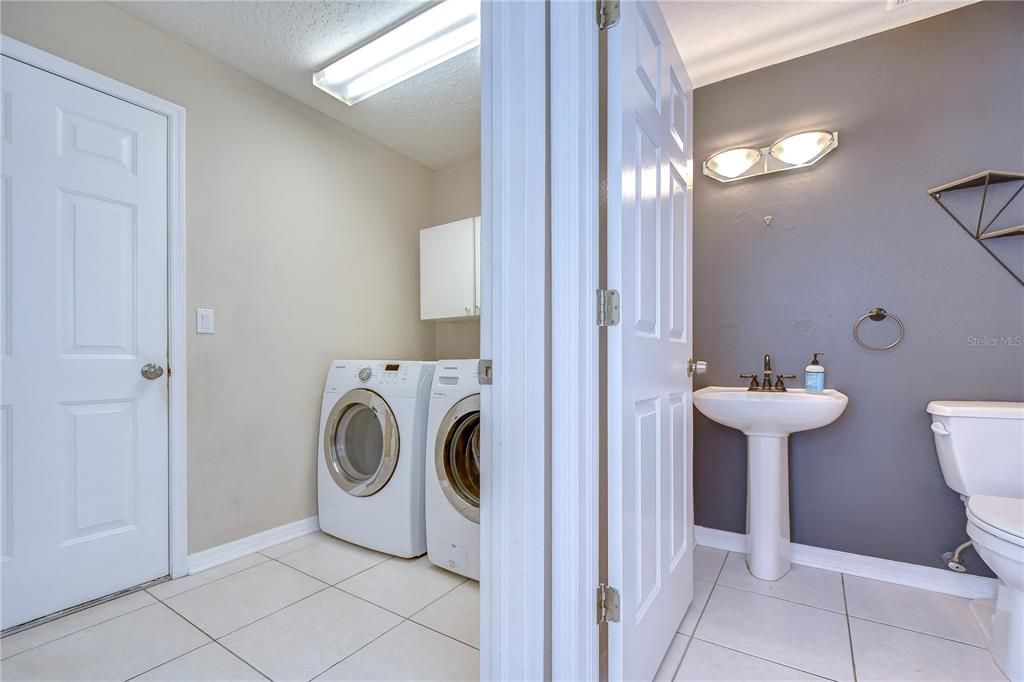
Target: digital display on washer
x=390 y=368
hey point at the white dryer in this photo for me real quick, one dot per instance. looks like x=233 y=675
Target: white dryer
x=370 y=457
x=453 y=468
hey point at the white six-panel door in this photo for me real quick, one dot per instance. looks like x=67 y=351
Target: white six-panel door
x=84 y=434
x=650 y=524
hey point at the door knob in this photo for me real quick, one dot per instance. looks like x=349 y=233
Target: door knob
x=696 y=367
x=151 y=371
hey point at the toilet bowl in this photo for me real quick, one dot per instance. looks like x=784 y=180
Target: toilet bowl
x=996 y=525
x=981 y=452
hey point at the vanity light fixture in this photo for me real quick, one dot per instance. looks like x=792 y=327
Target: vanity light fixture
x=792 y=151
x=733 y=163
x=436 y=35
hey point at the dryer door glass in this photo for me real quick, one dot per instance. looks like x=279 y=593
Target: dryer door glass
x=361 y=443
x=457 y=457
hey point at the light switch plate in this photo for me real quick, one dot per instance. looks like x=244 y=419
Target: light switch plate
x=204 y=321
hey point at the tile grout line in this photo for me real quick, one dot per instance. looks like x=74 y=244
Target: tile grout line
x=259 y=552
x=217 y=640
x=326 y=587
x=241 y=627
x=714 y=587
x=845 y=612
x=317 y=541
x=171 y=660
x=310 y=575
x=785 y=599
x=445 y=634
x=690 y=637
x=215 y=580
x=404 y=620
x=338 y=586
x=762 y=658
x=919 y=632
x=345 y=658
x=849 y=630
x=367 y=601
x=244 y=662
x=169 y=606
x=75 y=632
x=219 y=643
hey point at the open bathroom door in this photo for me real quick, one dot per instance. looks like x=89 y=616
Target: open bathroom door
x=650 y=444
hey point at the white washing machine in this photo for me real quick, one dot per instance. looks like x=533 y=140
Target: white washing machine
x=370 y=457
x=453 y=468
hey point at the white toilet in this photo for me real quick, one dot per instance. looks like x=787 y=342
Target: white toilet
x=981 y=452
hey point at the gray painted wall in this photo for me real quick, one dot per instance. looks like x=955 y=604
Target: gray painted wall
x=916 y=107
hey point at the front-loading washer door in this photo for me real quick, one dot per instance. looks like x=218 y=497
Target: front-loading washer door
x=457 y=456
x=361 y=442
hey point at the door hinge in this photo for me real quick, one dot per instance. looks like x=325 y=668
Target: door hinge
x=607 y=307
x=607 y=13
x=485 y=372
x=607 y=604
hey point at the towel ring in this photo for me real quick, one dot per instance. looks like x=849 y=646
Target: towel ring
x=876 y=315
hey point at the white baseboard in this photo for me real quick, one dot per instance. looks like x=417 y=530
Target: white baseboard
x=215 y=556
x=913 y=575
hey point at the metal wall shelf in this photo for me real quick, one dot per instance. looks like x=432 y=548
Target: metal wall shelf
x=982 y=233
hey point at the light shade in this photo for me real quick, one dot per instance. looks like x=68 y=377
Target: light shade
x=733 y=163
x=797 y=150
x=434 y=36
x=801 y=148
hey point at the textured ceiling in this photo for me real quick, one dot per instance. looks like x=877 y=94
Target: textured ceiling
x=719 y=39
x=433 y=118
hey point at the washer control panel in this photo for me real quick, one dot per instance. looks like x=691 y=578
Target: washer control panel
x=377 y=375
x=455 y=378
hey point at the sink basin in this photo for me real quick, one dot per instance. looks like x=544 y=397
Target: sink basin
x=767 y=418
x=769 y=414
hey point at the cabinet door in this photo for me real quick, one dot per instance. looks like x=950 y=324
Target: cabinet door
x=447 y=273
x=476 y=258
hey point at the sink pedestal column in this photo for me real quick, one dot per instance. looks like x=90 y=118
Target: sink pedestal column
x=768 y=506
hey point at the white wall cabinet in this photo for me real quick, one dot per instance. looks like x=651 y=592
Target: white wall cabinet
x=450 y=270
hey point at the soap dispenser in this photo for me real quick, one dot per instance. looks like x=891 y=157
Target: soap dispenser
x=814 y=376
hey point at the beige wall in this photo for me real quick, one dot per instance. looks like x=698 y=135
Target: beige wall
x=288 y=212
x=456 y=192
x=455 y=195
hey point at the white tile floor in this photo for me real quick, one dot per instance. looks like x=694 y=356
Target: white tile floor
x=314 y=607
x=318 y=608
x=815 y=624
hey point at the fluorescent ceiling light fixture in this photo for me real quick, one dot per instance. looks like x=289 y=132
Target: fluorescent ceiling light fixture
x=436 y=35
x=800 y=148
x=733 y=163
x=797 y=150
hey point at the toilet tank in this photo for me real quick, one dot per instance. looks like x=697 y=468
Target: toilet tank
x=980 y=446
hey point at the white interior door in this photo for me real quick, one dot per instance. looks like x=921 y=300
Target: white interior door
x=650 y=447
x=84 y=434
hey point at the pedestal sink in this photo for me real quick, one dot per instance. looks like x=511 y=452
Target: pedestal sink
x=767 y=418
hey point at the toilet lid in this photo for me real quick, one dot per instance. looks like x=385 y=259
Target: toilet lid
x=1005 y=514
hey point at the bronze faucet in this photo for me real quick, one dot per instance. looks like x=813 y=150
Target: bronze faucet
x=779 y=386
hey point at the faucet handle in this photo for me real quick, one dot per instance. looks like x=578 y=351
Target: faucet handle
x=753 y=381
x=779 y=384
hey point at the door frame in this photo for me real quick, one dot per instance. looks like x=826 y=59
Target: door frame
x=514 y=479
x=540 y=243
x=576 y=425
x=177 y=309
